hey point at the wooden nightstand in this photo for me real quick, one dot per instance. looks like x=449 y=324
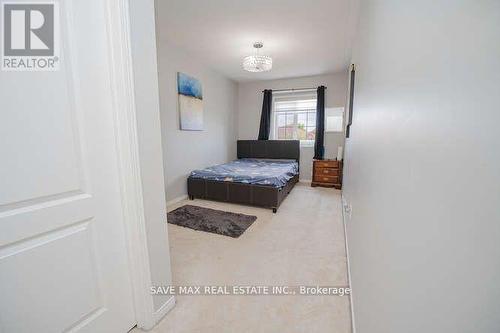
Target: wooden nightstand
x=327 y=173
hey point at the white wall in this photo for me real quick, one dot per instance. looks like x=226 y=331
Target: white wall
x=423 y=167
x=185 y=151
x=250 y=107
x=149 y=140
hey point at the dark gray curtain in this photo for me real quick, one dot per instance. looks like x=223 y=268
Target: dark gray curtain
x=319 y=149
x=265 y=117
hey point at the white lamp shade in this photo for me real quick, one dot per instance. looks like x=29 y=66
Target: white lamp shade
x=257 y=63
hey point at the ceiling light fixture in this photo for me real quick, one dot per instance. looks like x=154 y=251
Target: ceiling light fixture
x=257 y=63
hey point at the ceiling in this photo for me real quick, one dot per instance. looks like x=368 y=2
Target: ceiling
x=304 y=37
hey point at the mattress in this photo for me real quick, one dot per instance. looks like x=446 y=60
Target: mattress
x=251 y=171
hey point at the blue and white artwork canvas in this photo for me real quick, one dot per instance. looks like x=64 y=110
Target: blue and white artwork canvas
x=190 y=102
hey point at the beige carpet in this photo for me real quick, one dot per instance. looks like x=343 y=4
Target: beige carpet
x=303 y=244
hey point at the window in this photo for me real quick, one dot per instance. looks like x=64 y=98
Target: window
x=294 y=118
x=334 y=120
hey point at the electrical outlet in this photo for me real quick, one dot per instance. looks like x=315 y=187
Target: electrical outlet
x=347 y=209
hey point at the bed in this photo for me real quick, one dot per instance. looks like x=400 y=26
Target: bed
x=263 y=175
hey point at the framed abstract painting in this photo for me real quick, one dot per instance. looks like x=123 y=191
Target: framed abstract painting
x=190 y=102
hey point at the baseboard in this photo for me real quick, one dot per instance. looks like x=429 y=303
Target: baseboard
x=163 y=310
x=176 y=200
x=344 y=204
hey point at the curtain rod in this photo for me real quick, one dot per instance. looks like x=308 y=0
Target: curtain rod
x=293 y=89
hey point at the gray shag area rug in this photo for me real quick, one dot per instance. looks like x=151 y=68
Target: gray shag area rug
x=211 y=220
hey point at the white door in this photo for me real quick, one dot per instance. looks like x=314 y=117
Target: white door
x=63 y=259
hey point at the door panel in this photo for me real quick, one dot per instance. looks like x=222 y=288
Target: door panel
x=63 y=259
x=49 y=273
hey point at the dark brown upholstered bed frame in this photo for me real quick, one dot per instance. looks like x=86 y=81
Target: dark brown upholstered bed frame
x=250 y=194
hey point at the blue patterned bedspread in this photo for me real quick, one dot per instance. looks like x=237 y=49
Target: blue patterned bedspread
x=251 y=171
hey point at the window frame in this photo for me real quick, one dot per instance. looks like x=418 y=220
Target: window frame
x=292 y=96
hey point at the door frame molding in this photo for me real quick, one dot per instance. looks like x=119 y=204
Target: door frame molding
x=129 y=169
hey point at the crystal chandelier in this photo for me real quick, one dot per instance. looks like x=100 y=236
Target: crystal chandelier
x=257 y=62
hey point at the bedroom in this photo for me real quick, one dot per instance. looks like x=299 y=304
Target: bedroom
x=208 y=161
x=249 y=166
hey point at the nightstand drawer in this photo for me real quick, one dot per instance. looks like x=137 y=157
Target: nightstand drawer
x=326 y=172
x=326 y=164
x=326 y=179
